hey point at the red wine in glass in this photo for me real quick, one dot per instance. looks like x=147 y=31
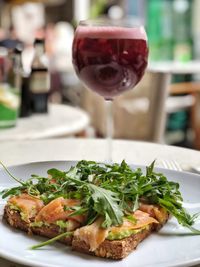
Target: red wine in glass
x=109 y=59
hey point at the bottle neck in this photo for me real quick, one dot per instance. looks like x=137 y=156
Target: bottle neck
x=39 y=50
x=38 y=60
x=17 y=63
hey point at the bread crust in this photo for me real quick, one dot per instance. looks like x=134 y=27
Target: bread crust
x=13 y=218
x=117 y=249
x=113 y=249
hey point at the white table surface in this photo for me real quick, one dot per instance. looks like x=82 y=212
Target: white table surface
x=12 y=153
x=61 y=120
x=17 y=152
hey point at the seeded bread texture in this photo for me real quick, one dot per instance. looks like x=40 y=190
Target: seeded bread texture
x=13 y=218
x=113 y=249
x=117 y=249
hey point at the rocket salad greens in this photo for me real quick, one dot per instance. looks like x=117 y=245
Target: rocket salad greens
x=110 y=190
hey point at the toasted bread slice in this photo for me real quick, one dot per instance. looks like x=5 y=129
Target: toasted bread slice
x=50 y=232
x=13 y=218
x=118 y=249
x=115 y=249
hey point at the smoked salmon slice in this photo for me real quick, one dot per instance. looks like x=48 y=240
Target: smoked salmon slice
x=27 y=204
x=59 y=209
x=154 y=211
x=142 y=219
x=93 y=235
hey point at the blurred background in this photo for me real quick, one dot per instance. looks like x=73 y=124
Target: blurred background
x=173 y=28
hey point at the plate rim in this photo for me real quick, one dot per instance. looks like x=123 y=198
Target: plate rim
x=75 y=161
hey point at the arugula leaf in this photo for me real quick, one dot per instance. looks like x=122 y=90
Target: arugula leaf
x=131 y=218
x=55 y=173
x=10 y=174
x=78 y=211
x=15 y=191
x=177 y=211
x=106 y=204
x=150 y=168
x=52 y=240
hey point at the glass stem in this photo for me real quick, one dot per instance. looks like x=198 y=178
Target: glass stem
x=109 y=129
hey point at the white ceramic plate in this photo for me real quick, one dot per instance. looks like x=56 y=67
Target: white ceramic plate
x=164 y=249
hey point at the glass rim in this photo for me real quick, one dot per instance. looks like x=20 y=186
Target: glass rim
x=106 y=22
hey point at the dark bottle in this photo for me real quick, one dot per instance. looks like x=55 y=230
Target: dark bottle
x=39 y=80
x=25 y=110
x=20 y=81
x=15 y=71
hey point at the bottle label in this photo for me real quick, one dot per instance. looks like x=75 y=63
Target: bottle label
x=40 y=82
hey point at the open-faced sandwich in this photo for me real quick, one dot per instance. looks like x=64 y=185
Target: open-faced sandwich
x=100 y=209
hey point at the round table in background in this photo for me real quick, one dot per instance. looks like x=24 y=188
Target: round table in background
x=60 y=121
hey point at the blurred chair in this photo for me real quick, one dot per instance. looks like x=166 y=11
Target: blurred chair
x=195 y=117
x=138 y=114
x=189 y=101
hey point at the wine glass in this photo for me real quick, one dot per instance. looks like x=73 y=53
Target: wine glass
x=109 y=57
